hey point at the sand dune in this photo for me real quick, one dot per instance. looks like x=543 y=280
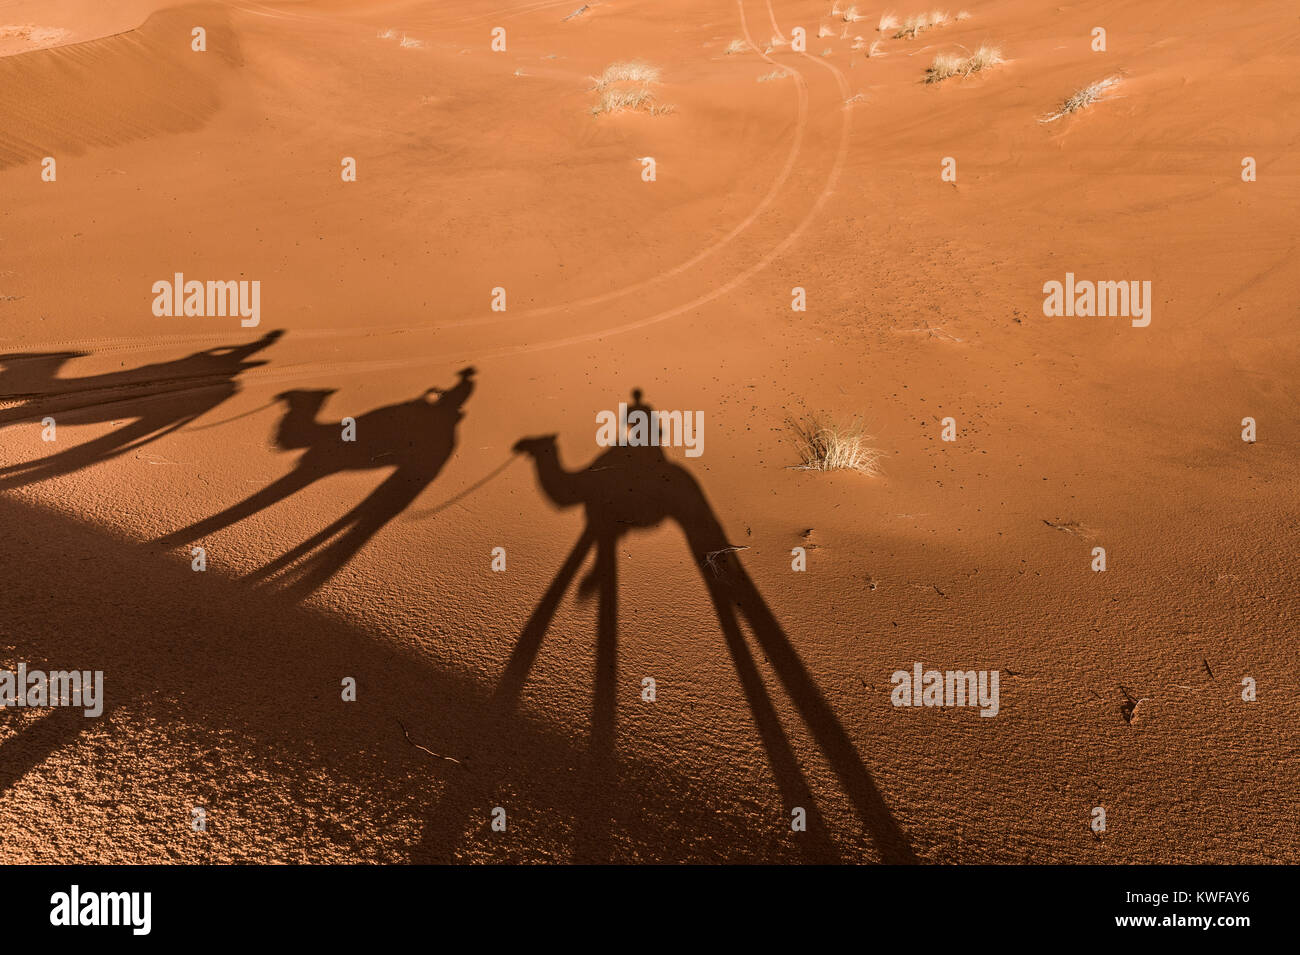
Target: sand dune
x=60 y=103
x=476 y=429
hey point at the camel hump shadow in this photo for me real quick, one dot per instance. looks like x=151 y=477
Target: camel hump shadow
x=633 y=487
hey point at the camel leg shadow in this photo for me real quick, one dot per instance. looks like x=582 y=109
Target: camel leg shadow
x=278 y=490
x=84 y=455
x=593 y=843
x=38 y=742
x=511 y=684
x=890 y=841
x=780 y=754
x=461 y=795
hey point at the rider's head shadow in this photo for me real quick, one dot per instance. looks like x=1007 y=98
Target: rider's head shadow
x=143 y=404
x=629 y=487
x=412 y=440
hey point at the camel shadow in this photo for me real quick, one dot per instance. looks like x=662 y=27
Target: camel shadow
x=638 y=487
x=414 y=439
x=155 y=400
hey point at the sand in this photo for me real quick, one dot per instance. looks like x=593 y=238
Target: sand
x=519 y=696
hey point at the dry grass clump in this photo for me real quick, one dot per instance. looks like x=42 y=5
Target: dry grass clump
x=825 y=446
x=947 y=65
x=1083 y=98
x=911 y=27
x=944 y=66
x=824 y=30
x=985 y=57
x=888 y=22
x=617 y=100
x=624 y=87
x=633 y=72
x=920 y=22
x=774 y=75
x=737 y=46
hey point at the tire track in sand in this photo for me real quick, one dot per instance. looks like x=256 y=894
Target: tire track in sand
x=282 y=373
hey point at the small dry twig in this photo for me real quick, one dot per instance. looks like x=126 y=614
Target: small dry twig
x=425 y=749
x=711 y=558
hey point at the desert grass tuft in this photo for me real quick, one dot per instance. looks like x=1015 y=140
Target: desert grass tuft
x=888 y=22
x=1081 y=99
x=624 y=87
x=944 y=66
x=947 y=65
x=736 y=46
x=911 y=27
x=632 y=72
x=825 y=446
x=774 y=75
x=919 y=23
x=619 y=100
